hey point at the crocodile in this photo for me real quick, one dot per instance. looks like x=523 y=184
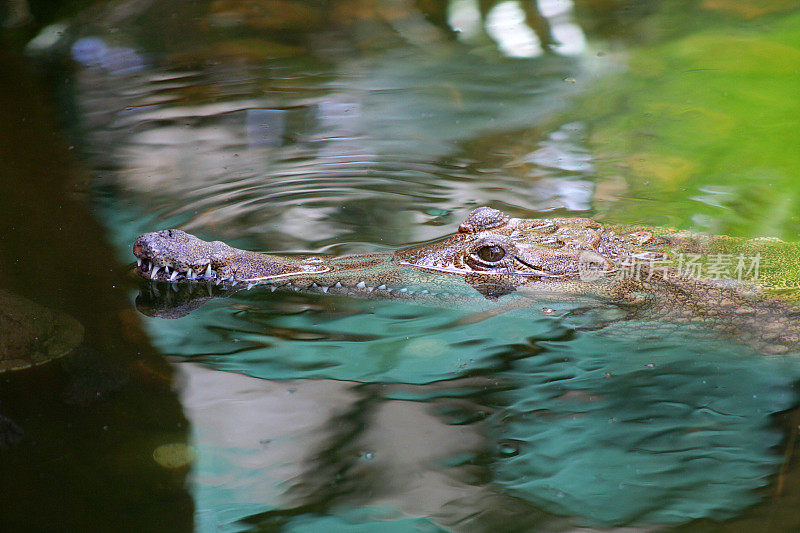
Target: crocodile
x=640 y=270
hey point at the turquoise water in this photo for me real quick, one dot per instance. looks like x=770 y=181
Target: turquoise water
x=611 y=428
x=300 y=126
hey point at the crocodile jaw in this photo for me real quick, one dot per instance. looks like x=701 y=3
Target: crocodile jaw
x=174 y=255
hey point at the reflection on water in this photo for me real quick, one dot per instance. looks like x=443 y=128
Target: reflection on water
x=613 y=427
x=303 y=155
x=358 y=125
x=583 y=424
x=663 y=434
x=277 y=446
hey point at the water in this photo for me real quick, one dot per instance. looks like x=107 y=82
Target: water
x=364 y=126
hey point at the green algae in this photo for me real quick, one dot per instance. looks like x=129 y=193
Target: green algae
x=698 y=127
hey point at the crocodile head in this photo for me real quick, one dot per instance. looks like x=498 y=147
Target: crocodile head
x=492 y=251
x=488 y=244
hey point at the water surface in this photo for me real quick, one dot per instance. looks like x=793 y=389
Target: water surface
x=363 y=126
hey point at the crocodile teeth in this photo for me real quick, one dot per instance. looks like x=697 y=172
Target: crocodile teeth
x=314 y=286
x=361 y=285
x=218 y=281
x=272 y=288
x=154 y=273
x=403 y=290
x=190 y=274
x=166 y=270
x=325 y=288
x=250 y=286
x=338 y=285
x=174 y=275
x=139 y=262
x=370 y=289
x=382 y=287
x=208 y=271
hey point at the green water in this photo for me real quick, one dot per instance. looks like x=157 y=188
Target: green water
x=365 y=125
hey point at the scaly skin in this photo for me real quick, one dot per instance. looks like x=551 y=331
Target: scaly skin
x=545 y=258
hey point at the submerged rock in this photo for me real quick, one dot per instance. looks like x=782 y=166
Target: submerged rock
x=32 y=335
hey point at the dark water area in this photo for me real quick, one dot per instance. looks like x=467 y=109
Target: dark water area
x=362 y=126
x=73 y=429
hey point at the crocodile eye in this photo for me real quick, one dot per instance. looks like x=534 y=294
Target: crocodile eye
x=491 y=253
